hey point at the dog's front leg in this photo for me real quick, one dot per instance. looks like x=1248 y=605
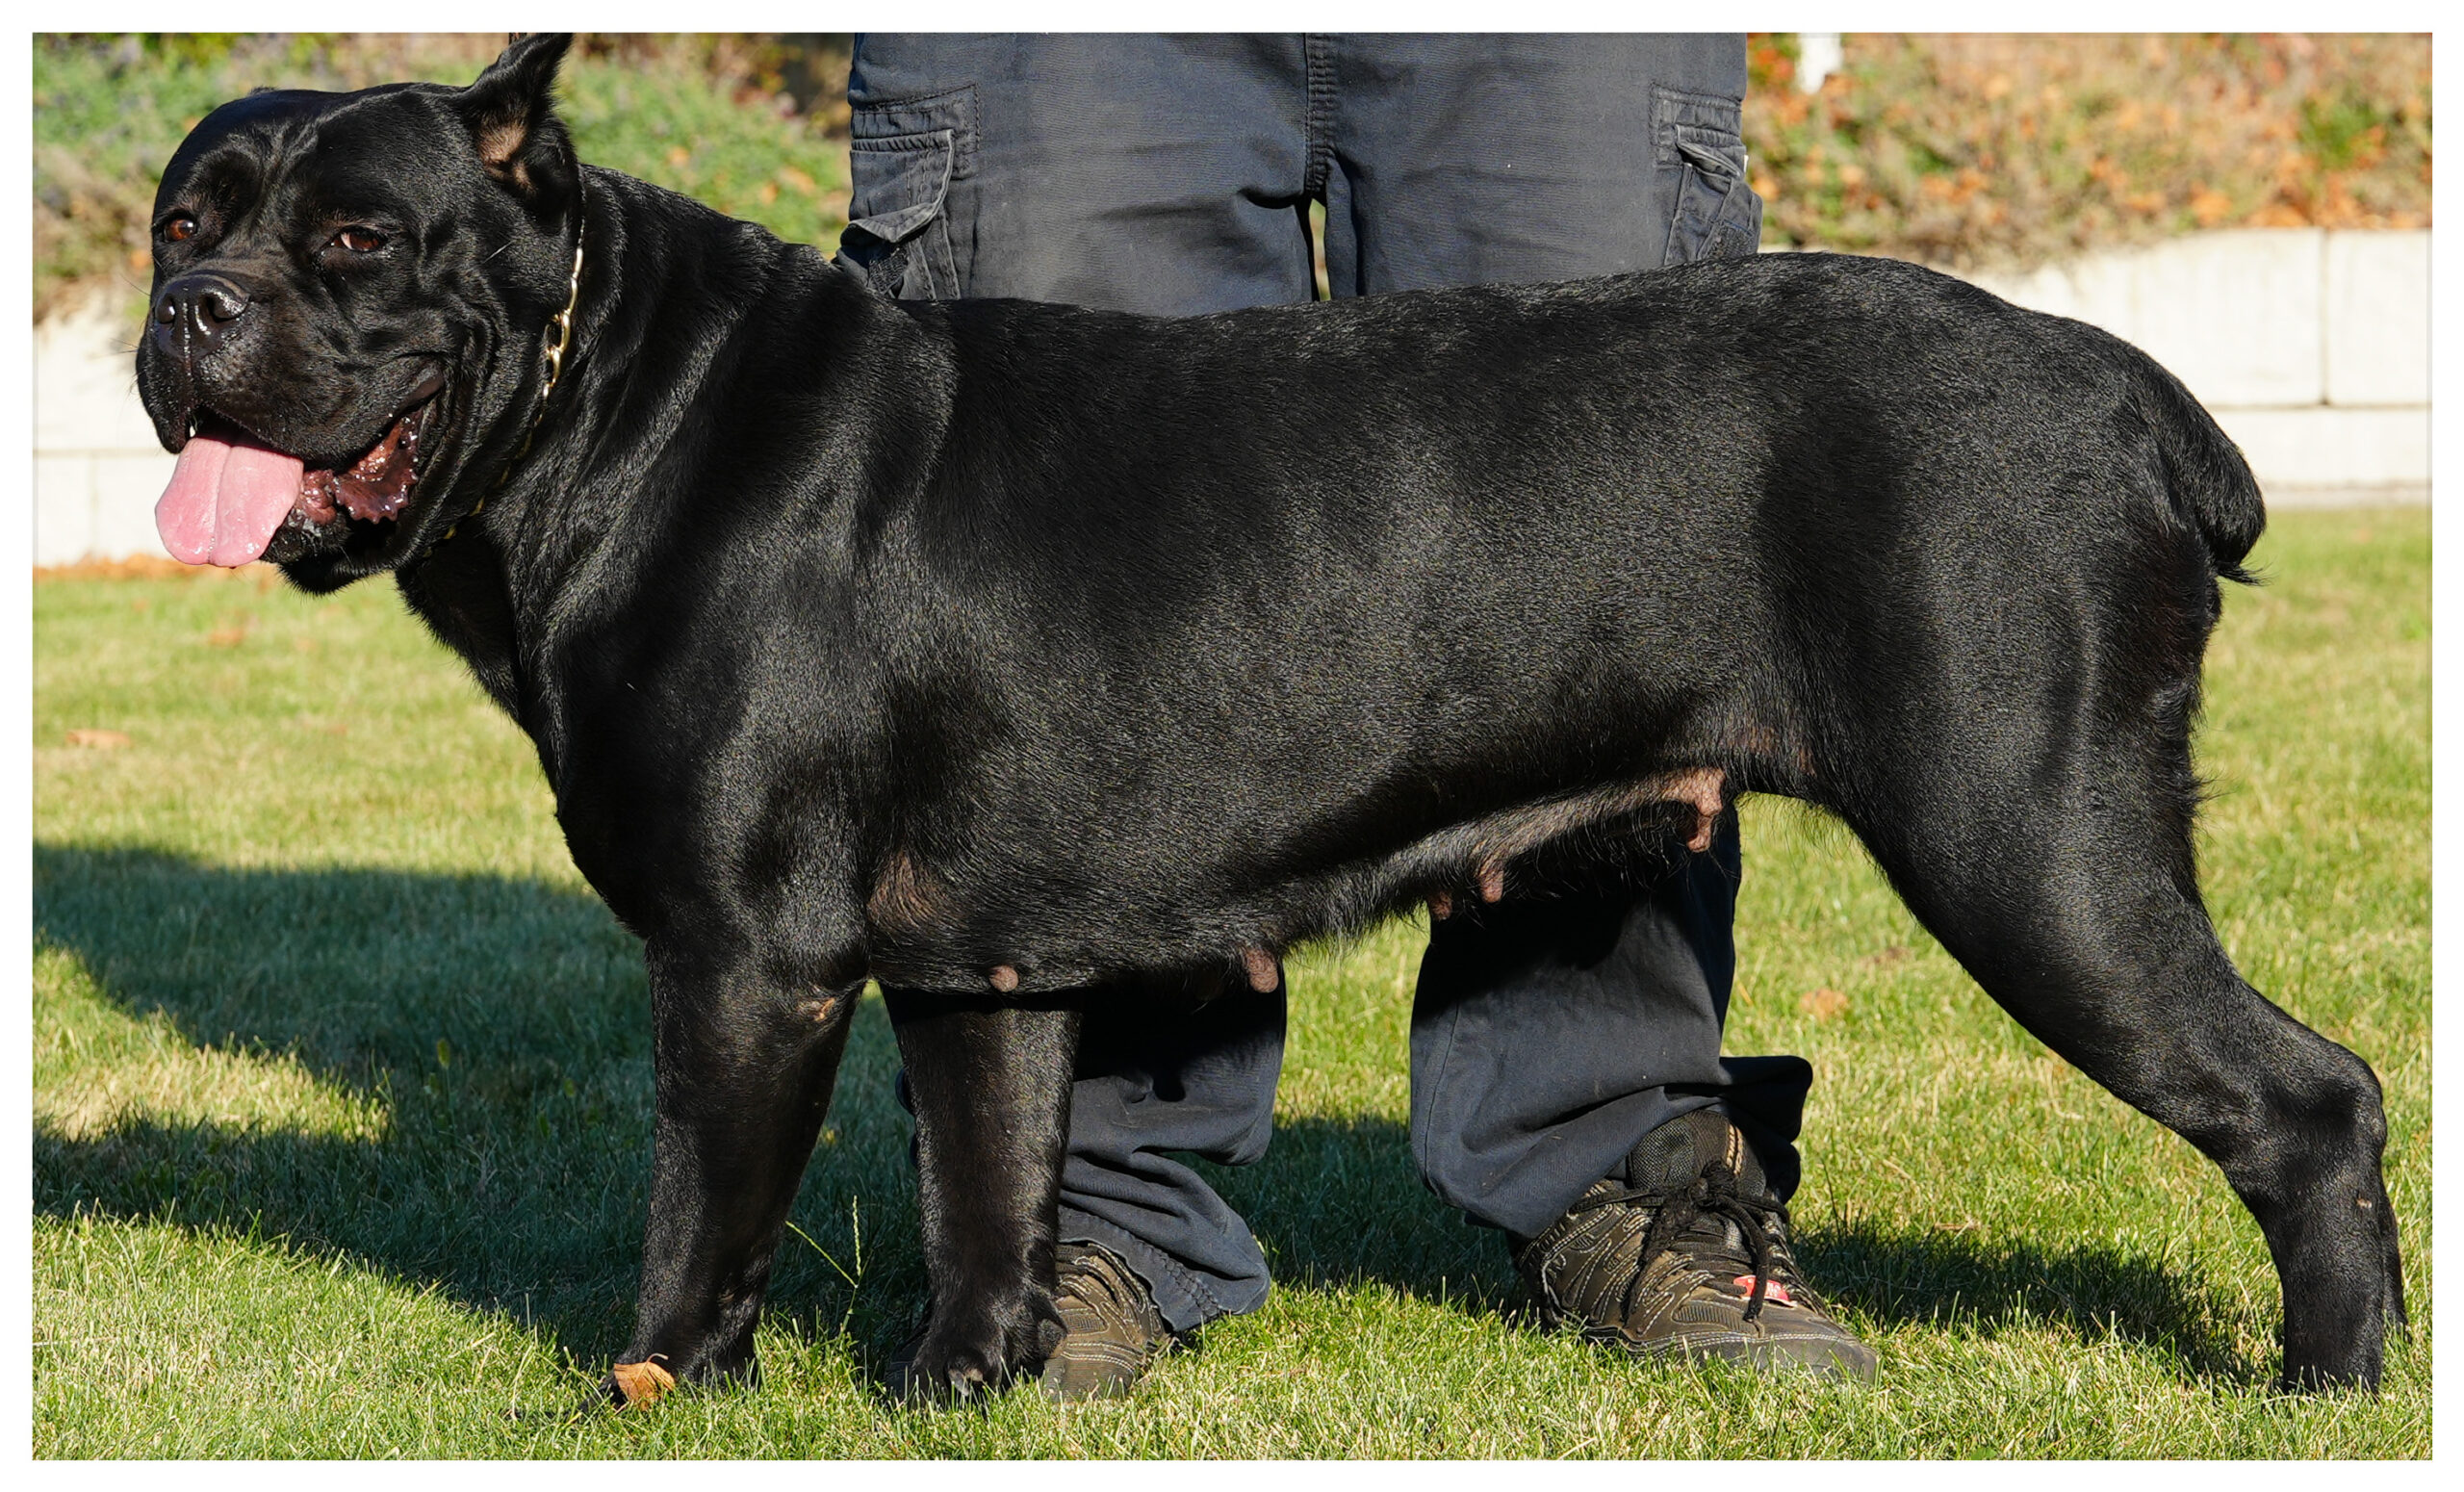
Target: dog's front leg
x=990 y=1087
x=744 y=1074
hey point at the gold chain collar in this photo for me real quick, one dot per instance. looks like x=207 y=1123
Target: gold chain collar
x=562 y=324
x=556 y=353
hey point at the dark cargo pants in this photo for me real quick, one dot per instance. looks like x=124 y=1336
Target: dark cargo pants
x=1173 y=175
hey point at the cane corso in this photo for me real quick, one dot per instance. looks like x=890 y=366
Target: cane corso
x=992 y=649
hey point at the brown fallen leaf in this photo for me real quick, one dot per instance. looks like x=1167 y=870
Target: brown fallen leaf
x=99 y=740
x=641 y=1382
x=1822 y=1003
x=227 y=637
x=1891 y=955
x=136 y=567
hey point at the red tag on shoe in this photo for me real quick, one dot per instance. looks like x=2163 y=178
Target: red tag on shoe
x=1778 y=1294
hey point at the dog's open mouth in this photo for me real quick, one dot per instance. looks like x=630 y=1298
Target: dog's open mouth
x=231 y=493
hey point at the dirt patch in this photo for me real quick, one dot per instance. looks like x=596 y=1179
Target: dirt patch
x=152 y=567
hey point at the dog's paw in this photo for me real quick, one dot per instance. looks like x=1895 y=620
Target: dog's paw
x=964 y=1352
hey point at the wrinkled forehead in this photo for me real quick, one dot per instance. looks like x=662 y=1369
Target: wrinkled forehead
x=280 y=147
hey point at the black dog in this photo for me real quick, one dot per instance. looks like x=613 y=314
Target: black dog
x=991 y=649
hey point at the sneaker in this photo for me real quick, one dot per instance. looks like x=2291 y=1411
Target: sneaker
x=1686 y=1254
x=1116 y=1332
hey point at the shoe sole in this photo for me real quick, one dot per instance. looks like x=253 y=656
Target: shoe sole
x=1829 y=1357
x=1096 y=1374
x=1841 y=1356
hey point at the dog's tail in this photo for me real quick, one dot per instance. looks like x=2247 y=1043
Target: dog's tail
x=2210 y=483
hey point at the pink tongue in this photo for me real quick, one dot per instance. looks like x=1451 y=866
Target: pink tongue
x=225 y=500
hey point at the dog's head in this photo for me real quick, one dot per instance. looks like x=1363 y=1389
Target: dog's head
x=350 y=297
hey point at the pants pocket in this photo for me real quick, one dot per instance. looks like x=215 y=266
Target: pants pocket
x=902 y=160
x=1698 y=137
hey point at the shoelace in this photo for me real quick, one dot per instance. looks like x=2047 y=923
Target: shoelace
x=1712 y=1193
x=1118 y=1297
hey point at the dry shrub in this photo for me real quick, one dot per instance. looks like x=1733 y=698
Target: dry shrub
x=2001 y=151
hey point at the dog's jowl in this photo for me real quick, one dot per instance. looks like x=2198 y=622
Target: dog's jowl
x=988 y=648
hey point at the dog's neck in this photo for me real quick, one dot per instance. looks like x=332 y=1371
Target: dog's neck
x=457 y=581
x=651 y=369
x=558 y=339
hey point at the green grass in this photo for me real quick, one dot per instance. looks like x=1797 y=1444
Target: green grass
x=341 y=1104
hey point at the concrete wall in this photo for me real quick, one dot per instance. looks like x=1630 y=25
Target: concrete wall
x=98 y=468
x=2311 y=347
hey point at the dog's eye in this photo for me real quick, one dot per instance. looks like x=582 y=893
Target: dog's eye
x=179 y=229
x=360 y=240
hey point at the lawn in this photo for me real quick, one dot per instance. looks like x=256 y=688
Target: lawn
x=342 y=1105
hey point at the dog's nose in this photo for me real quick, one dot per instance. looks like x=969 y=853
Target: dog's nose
x=197 y=310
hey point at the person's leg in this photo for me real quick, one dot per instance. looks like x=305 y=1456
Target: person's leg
x=1160 y=174
x=1567 y=1083
x=1471 y=160
x=1145 y=173
x=1549 y=1038
x=1157 y=1076
x=1152 y=1085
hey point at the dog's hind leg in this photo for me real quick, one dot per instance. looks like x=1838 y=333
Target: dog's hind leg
x=990 y=1082
x=2075 y=909
x=744 y=1075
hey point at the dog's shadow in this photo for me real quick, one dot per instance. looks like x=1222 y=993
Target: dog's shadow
x=457 y=1091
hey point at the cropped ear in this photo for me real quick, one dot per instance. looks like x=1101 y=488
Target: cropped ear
x=512 y=114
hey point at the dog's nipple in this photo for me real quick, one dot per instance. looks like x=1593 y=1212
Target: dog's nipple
x=1262 y=975
x=1704 y=789
x=1003 y=978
